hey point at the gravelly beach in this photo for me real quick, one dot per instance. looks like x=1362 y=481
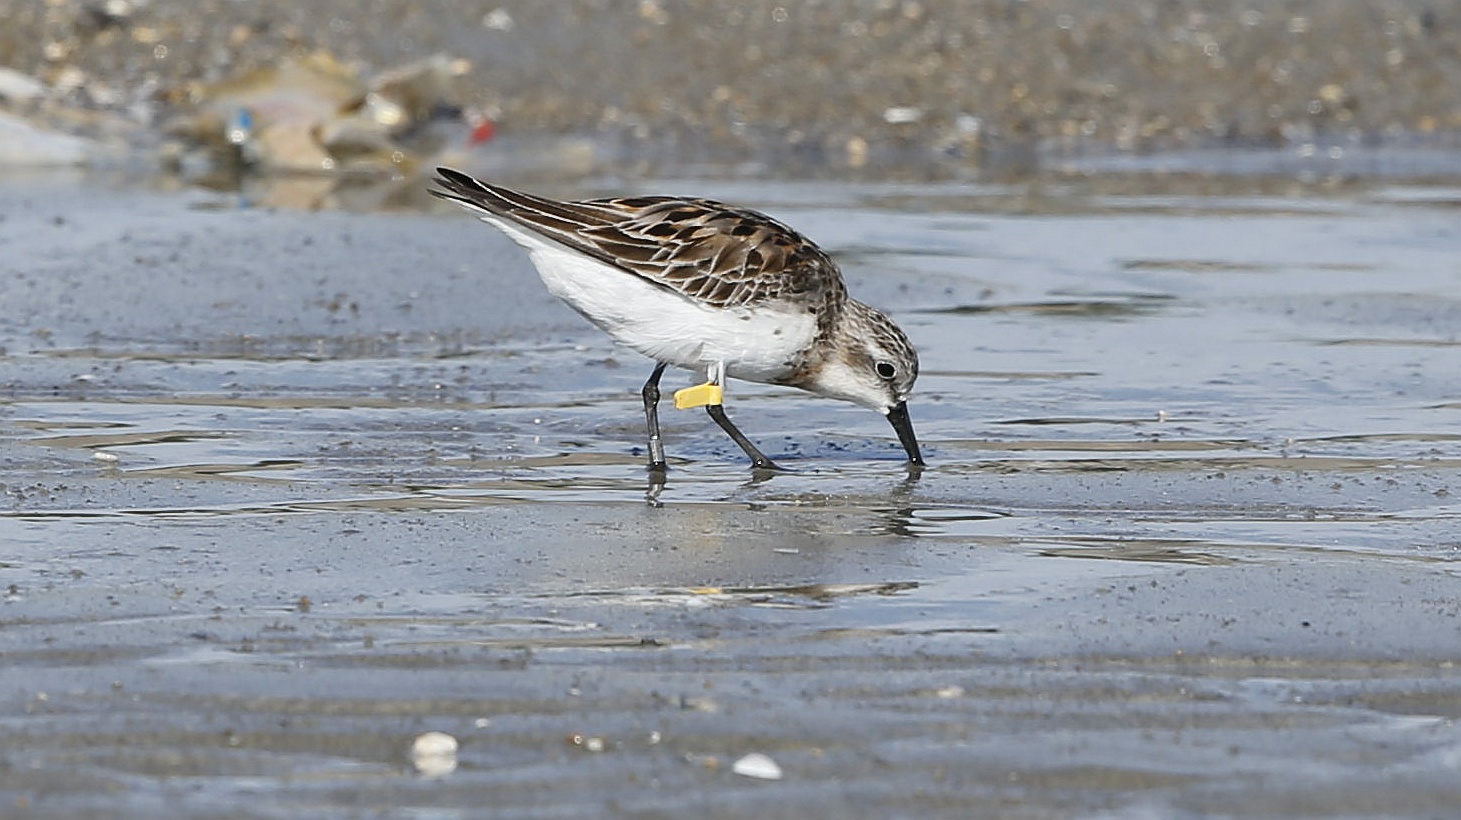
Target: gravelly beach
x=894 y=86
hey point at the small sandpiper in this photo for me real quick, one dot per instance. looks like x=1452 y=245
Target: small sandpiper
x=720 y=290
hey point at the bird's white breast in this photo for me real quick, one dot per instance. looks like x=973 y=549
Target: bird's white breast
x=756 y=344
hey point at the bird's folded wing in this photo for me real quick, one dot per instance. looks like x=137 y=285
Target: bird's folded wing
x=710 y=252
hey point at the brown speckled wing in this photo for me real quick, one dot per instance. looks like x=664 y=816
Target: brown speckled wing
x=714 y=253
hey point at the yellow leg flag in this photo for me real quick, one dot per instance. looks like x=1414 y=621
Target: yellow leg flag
x=699 y=396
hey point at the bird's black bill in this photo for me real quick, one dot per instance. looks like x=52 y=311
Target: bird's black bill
x=898 y=417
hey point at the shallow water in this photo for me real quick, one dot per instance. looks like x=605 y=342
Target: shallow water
x=284 y=490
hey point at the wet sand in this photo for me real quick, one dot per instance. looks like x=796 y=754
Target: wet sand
x=284 y=490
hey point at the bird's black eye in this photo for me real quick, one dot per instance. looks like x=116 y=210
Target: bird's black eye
x=886 y=369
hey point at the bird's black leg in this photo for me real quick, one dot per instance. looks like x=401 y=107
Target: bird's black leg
x=651 y=418
x=759 y=461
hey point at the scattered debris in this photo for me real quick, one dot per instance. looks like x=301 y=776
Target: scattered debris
x=311 y=114
x=316 y=114
x=587 y=743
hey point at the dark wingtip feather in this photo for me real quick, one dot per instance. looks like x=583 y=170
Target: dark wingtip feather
x=456 y=186
x=448 y=177
x=452 y=177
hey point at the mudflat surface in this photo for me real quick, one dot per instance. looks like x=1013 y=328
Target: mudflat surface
x=284 y=490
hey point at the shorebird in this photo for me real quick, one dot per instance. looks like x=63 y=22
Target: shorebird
x=716 y=289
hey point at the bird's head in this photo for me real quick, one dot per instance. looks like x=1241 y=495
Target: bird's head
x=871 y=362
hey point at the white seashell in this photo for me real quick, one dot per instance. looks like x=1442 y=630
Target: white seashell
x=434 y=754
x=434 y=743
x=758 y=766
